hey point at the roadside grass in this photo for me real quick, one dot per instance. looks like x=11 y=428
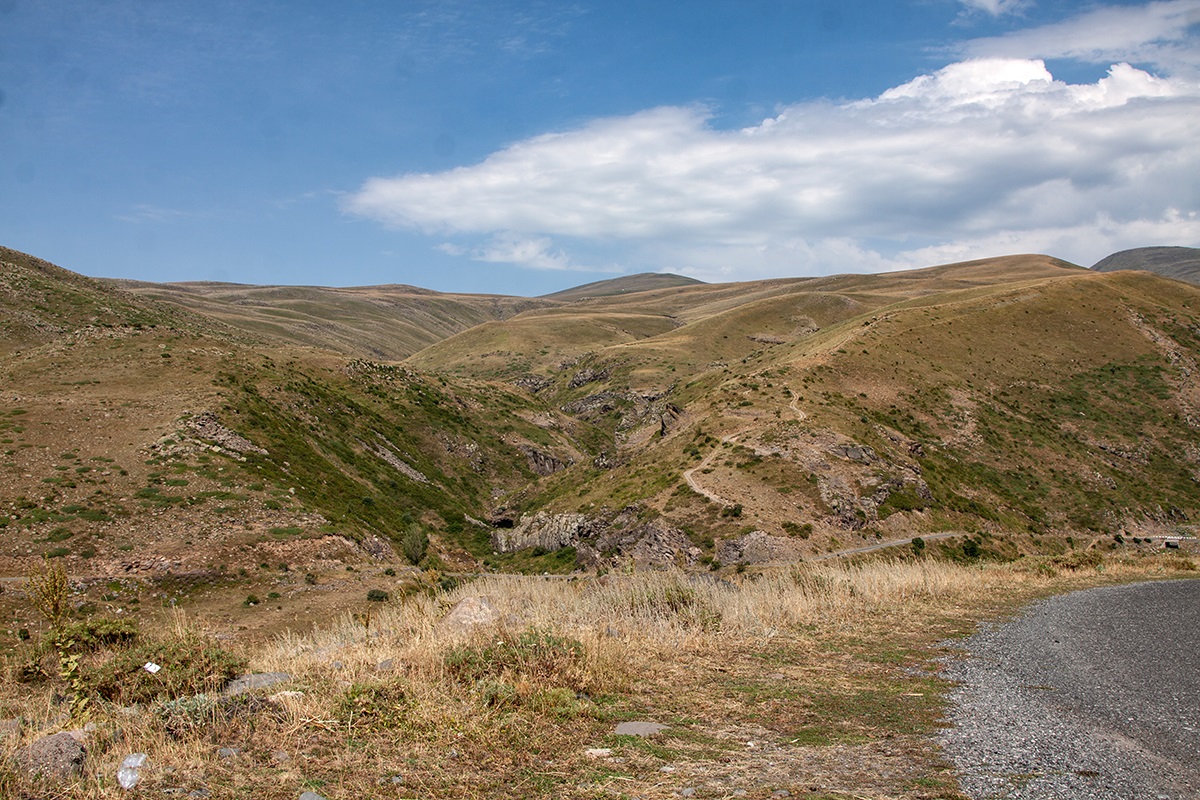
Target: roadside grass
x=821 y=679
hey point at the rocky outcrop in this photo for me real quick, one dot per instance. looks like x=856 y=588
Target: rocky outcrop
x=542 y=530
x=205 y=426
x=541 y=462
x=609 y=539
x=758 y=547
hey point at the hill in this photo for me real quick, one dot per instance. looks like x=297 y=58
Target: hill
x=380 y=322
x=991 y=408
x=626 y=284
x=1013 y=426
x=1180 y=263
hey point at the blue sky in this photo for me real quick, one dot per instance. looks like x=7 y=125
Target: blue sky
x=526 y=147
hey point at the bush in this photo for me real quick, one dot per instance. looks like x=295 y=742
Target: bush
x=377 y=595
x=414 y=544
x=93 y=634
x=382 y=705
x=535 y=657
x=190 y=665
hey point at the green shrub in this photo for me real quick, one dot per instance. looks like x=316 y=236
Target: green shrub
x=377 y=595
x=189 y=665
x=795 y=529
x=94 y=634
x=1079 y=559
x=381 y=705
x=535 y=657
x=414 y=544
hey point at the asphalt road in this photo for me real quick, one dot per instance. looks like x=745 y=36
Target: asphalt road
x=1095 y=694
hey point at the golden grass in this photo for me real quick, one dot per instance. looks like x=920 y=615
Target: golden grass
x=831 y=666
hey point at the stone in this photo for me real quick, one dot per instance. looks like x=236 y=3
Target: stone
x=548 y=531
x=639 y=728
x=228 y=752
x=58 y=756
x=280 y=757
x=469 y=613
x=258 y=680
x=387 y=665
x=310 y=796
x=598 y=752
x=758 y=547
x=128 y=774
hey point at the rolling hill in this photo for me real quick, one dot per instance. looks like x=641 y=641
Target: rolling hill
x=996 y=407
x=1181 y=263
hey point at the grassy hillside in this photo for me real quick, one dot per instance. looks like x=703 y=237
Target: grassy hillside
x=379 y=322
x=995 y=408
x=626 y=284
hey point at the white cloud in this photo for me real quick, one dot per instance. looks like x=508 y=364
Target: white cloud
x=1156 y=33
x=983 y=157
x=536 y=252
x=997 y=7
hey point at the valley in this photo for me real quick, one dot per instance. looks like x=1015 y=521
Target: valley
x=294 y=471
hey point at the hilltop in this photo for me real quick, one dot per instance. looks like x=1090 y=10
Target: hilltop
x=1181 y=263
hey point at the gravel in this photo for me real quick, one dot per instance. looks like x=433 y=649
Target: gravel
x=1094 y=694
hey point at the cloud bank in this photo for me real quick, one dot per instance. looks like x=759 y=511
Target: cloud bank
x=989 y=155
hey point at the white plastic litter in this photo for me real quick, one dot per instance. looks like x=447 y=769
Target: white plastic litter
x=128 y=775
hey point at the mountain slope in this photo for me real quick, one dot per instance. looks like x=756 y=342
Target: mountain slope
x=1180 y=263
x=380 y=322
x=1011 y=402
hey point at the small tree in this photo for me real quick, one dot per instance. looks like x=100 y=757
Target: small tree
x=48 y=590
x=414 y=544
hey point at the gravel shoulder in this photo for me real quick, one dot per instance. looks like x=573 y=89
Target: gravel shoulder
x=1092 y=694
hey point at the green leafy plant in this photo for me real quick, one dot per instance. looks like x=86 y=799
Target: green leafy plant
x=414 y=544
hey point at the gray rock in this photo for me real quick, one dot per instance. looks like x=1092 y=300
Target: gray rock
x=258 y=680
x=469 y=613
x=228 y=752
x=639 y=728
x=547 y=531
x=280 y=757
x=387 y=665
x=58 y=756
x=310 y=796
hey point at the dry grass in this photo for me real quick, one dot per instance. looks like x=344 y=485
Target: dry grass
x=821 y=680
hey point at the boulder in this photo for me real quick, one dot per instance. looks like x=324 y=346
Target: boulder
x=468 y=614
x=59 y=756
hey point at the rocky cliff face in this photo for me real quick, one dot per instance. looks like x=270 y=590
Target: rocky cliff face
x=605 y=539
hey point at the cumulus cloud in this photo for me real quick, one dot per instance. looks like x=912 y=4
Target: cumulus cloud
x=984 y=157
